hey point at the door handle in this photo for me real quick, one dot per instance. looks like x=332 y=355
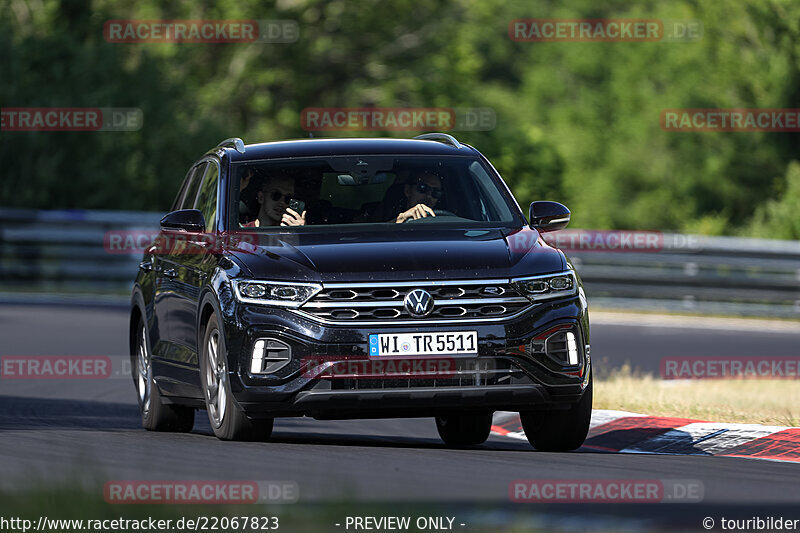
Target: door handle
x=171 y=273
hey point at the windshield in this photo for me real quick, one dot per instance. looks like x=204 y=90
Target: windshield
x=375 y=189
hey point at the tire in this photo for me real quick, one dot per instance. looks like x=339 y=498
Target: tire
x=156 y=415
x=559 y=431
x=226 y=417
x=464 y=430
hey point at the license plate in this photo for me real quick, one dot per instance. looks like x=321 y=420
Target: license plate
x=452 y=342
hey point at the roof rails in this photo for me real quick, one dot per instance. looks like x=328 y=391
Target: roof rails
x=233 y=142
x=441 y=137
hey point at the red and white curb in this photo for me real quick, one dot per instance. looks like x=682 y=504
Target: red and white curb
x=623 y=432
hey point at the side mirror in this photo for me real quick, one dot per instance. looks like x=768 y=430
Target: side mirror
x=190 y=220
x=548 y=216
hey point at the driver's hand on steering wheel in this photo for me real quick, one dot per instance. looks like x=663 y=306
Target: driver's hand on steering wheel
x=416 y=212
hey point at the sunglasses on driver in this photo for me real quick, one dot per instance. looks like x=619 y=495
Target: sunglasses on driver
x=424 y=188
x=277 y=195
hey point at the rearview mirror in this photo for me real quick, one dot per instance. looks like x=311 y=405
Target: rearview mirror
x=190 y=220
x=548 y=216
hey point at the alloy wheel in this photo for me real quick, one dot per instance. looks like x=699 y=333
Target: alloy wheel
x=145 y=373
x=215 y=376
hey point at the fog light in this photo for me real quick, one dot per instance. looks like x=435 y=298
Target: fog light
x=269 y=355
x=572 y=349
x=258 y=356
x=559 y=343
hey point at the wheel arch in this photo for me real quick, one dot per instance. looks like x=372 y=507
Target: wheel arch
x=209 y=305
x=206 y=310
x=137 y=313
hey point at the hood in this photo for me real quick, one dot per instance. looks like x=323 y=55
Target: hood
x=385 y=255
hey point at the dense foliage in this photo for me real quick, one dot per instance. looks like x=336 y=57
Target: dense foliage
x=577 y=122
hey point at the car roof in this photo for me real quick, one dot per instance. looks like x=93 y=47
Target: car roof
x=352 y=146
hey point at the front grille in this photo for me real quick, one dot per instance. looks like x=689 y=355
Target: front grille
x=383 y=302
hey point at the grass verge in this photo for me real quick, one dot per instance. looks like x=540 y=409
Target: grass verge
x=746 y=401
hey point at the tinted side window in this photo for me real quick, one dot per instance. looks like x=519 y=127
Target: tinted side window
x=207 y=198
x=187 y=202
x=176 y=204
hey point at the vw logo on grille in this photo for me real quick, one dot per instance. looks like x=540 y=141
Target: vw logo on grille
x=418 y=303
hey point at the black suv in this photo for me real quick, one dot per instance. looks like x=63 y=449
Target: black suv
x=359 y=278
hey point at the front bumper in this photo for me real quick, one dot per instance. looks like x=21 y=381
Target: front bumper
x=539 y=382
x=416 y=402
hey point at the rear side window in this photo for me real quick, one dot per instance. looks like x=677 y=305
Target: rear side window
x=207 y=197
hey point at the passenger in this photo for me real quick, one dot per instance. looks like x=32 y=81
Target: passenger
x=273 y=198
x=422 y=194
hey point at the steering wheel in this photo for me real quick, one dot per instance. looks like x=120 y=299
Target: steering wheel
x=437 y=212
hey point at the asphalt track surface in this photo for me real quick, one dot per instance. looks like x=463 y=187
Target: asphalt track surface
x=63 y=431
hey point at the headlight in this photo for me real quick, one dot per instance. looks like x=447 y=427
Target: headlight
x=275 y=292
x=537 y=288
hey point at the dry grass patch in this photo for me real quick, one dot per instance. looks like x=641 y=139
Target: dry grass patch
x=756 y=401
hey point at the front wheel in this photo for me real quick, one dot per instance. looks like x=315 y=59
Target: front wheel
x=559 y=431
x=227 y=419
x=464 y=430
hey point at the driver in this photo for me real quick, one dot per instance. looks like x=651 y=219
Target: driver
x=423 y=193
x=274 y=197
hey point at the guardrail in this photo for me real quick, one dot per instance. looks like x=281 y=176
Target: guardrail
x=62 y=252
x=707 y=275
